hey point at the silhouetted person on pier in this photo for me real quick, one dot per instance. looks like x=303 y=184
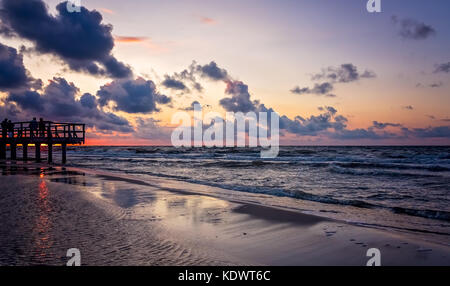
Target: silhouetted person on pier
x=42 y=127
x=10 y=129
x=5 y=128
x=33 y=127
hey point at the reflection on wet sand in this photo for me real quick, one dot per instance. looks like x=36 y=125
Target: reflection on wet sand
x=42 y=230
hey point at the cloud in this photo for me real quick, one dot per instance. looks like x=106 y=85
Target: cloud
x=442 y=68
x=191 y=107
x=88 y=100
x=430 y=132
x=132 y=96
x=327 y=124
x=13 y=73
x=413 y=29
x=80 y=39
x=431 y=85
x=379 y=125
x=186 y=77
x=240 y=98
x=436 y=85
x=318 y=89
x=408 y=107
x=172 y=83
x=59 y=102
x=359 y=133
x=28 y=100
x=149 y=128
x=343 y=74
x=212 y=71
x=315 y=124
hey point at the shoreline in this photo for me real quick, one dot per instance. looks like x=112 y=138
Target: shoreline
x=214 y=231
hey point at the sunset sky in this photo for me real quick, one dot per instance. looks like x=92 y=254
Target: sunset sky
x=335 y=73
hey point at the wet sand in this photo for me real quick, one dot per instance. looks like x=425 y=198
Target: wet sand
x=118 y=220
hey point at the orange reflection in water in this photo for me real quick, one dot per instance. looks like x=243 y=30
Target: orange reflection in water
x=42 y=236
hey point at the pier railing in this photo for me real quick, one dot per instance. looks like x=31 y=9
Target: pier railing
x=69 y=133
x=37 y=133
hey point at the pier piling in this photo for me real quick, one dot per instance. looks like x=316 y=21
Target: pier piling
x=37 y=157
x=25 y=151
x=64 y=151
x=50 y=153
x=2 y=150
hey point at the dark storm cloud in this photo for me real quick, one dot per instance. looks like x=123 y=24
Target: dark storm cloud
x=318 y=89
x=240 y=98
x=88 y=100
x=413 y=29
x=28 y=100
x=442 y=68
x=173 y=83
x=80 y=39
x=13 y=73
x=343 y=74
x=9 y=110
x=58 y=102
x=132 y=96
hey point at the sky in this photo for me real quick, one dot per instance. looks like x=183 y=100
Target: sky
x=335 y=73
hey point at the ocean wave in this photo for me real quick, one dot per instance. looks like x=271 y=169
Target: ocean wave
x=434 y=214
x=379 y=165
x=376 y=172
x=431 y=214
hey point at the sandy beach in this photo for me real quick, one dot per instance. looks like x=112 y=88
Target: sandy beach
x=118 y=220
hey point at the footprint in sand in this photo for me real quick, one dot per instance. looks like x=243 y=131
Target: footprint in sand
x=330 y=233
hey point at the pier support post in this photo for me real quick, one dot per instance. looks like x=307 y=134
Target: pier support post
x=38 y=152
x=64 y=151
x=50 y=153
x=25 y=151
x=3 y=150
x=13 y=151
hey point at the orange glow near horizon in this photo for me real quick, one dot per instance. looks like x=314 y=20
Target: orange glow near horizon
x=127 y=141
x=127 y=39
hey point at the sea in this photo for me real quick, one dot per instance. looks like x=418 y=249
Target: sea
x=400 y=188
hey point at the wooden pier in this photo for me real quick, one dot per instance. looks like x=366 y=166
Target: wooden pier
x=25 y=134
